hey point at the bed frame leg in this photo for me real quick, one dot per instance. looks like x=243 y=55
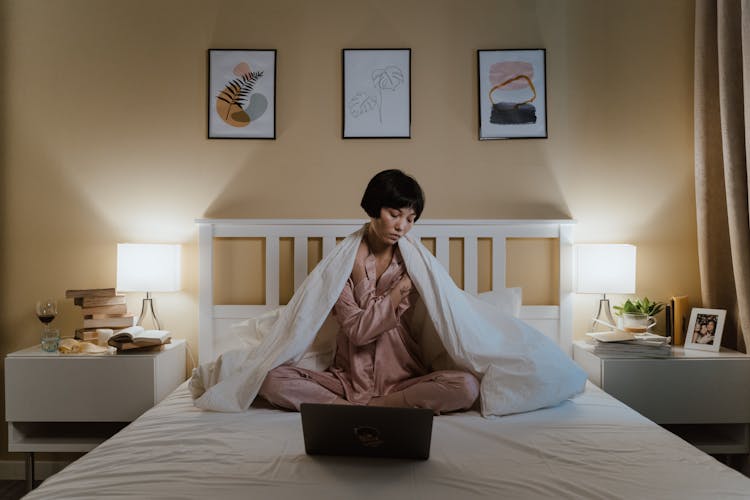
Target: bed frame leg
x=29 y=471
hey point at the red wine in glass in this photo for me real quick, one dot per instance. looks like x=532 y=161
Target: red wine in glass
x=46 y=310
x=46 y=318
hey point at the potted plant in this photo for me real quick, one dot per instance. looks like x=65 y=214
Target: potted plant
x=637 y=315
x=643 y=306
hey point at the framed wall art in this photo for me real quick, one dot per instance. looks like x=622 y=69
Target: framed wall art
x=241 y=94
x=376 y=93
x=705 y=329
x=512 y=94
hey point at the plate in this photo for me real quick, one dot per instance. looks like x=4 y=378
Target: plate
x=612 y=336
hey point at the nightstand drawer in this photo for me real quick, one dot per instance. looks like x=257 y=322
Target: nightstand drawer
x=53 y=387
x=680 y=391
x=688 y=388
x=71 y=402
x=104 y=388
x=699 y=396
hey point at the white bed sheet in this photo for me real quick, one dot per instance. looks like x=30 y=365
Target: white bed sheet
x=589 y=447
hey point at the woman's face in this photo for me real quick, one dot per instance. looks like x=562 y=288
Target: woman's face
x=392 y=224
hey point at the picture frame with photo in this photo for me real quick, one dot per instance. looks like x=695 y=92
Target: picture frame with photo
x=376 y=93
x=705 y=329
x=512 y=93
x=241 y=94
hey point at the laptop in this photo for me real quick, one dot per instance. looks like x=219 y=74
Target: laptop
x=368 y=431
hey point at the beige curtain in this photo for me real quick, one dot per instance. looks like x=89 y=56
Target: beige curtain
x=722 y=102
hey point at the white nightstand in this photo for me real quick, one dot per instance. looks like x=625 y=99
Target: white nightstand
x=701 y=396
x=71 y=403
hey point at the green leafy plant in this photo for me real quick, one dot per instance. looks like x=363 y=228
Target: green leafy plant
x=637 y=305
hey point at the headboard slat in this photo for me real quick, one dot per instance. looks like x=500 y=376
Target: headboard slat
x=499 y=253
x=300 y=260
x=329 y=242
x=442 y=251
x=272 y=270
x=470 y=265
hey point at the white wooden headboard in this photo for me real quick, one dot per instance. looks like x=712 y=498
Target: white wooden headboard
x=215 y=320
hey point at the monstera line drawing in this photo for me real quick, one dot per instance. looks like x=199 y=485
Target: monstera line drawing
x=387 y=79
x=376 y=97
x=235 y=104
x=361 y=103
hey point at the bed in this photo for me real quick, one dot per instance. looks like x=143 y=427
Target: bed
x=591 y=446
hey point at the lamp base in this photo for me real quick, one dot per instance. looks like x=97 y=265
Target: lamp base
x=147 y=311
x=604 y=317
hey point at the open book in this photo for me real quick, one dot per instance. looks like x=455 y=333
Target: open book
x=136 y=336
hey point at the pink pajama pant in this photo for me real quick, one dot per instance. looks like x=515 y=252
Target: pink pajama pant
x=441 y=391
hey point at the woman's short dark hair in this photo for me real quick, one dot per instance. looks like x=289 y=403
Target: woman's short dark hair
x=392 y=189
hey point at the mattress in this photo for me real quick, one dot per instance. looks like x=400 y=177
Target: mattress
x=590 y=447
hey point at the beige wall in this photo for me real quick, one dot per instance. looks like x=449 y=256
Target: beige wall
x=104 y=132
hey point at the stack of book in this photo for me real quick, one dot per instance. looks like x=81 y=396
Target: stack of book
x=101 y=308
x=637 y=346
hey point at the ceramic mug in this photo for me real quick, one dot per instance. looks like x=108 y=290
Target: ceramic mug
x=636 y=322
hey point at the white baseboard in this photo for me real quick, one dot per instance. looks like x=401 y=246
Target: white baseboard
x=16 y=469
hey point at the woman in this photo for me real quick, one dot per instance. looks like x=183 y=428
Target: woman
x=707 y=333
x=377 y=359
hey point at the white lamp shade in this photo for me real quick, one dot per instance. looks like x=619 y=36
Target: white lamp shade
x=604 y=268
x=148 y=267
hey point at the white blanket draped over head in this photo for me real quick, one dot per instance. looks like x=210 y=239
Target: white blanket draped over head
x=520 y=369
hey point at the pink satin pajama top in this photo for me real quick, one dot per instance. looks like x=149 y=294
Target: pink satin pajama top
x=374 y=348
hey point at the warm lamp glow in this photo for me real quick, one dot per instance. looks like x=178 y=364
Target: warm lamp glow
x=148 y=268
x=604 y=268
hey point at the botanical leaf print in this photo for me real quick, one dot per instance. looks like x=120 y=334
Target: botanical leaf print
x=388 y=79
x=232 y=100
x=361 y=103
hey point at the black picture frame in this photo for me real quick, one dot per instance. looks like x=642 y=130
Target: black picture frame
x=239 y=81
x=516 y=76
x=376 y=93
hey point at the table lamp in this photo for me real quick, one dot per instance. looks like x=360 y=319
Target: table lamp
x=148 y=268
x=603 y=269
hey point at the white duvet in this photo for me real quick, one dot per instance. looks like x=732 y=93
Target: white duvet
x=520 y=369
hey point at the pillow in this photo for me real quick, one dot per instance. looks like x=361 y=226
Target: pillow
x=507 y=300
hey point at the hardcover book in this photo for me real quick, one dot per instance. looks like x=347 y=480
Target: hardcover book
x=680 y=317
x=90 y=292
x=114 y=322
x=136 y=337
x=113 y=309
x=99 y=301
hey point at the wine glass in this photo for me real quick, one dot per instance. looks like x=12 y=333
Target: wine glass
x=46 y=310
